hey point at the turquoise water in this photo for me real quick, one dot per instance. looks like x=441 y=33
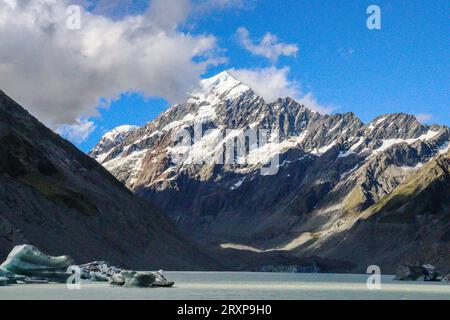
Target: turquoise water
x=242 y=286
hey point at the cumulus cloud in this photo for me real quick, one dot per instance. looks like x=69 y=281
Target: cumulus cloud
x=61 y=75
x=424 y=117
x=77 y=132
x=272 y=83
x=269 y=46
x=309 y=100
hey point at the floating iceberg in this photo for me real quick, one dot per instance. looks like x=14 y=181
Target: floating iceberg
x=27 y=260
x=140 y=279
x=27 y=264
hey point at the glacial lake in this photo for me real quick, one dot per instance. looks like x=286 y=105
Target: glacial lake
x=240 y=286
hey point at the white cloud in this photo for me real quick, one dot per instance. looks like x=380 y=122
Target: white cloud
x=77 y=132
x=269 y=46
x=424 y=117
x=60 y=75
x=272 y=83
x=310 y=101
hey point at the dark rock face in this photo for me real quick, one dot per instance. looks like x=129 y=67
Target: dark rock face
x=332 y=169
x=62 y=201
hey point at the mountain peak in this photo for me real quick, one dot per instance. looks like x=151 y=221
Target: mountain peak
x=118 y=131
x=222 y=76
x=399 y=117
x=222 y=86
x=110 y=140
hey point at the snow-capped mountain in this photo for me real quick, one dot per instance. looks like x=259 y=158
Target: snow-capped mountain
x=110 y=140
x=329 y=168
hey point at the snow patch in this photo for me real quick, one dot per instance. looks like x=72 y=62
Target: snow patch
x=238 y=184
x=373 y=125
x=391 y=142
x=131 y=163
x=323 y=150
x=265 y=153
x=345 y=174
x=357 y=144
x=114 y=134
x=189 y=118
x=416 y=167
x=117 y=135
x=345 y=154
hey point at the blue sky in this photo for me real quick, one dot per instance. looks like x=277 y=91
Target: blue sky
x=404 y=67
